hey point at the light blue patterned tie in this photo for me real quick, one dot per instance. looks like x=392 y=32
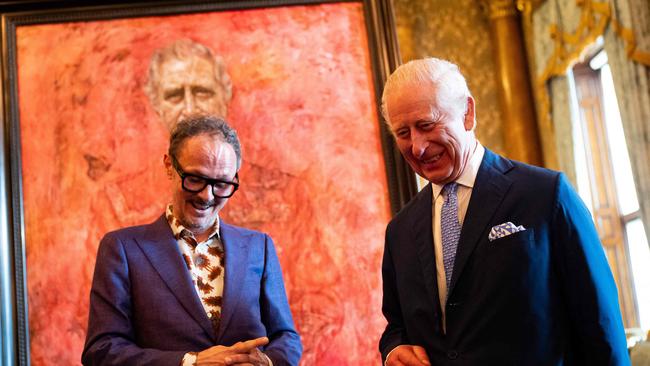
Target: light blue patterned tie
x=450 y=228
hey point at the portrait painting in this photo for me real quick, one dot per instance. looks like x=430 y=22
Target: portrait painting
x=96 y=100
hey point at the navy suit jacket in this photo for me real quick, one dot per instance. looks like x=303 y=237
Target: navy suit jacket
x=144 y=309
x=543 y=296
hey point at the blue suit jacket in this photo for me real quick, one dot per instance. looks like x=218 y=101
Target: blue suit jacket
x=543 y=296
x=144 y=309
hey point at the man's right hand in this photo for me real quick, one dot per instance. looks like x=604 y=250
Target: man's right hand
x=238 y=353
x=407 y=355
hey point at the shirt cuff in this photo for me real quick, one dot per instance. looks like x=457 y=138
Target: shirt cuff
x=189 y=359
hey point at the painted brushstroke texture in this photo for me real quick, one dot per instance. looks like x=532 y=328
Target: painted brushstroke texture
x=313 y=174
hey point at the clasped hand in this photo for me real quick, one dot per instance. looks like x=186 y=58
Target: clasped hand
x=407 y=355
x=241 y=353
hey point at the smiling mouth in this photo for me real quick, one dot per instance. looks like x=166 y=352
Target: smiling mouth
x=432 y=159
x=201 y=206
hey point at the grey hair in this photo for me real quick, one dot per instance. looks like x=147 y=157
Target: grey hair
x=442 y=74
x=183 y=49
x=203 y=125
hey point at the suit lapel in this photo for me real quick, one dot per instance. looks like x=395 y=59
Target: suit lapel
x=235 y=273
x=161 y=249
x=423 y=238
x=489 y=190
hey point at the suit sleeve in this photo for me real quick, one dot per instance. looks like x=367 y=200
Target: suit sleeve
x=393 y=335
x=284 y=346
x=597 y=335
x=111 y=337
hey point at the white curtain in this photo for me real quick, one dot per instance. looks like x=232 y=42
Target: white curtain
x=627 y=43
x=559 y=32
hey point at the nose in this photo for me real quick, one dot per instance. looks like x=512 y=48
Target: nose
x=206 y=194
x=419 y=144
x=188 y=102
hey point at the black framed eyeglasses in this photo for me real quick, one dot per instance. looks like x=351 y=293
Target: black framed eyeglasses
x=195 y=183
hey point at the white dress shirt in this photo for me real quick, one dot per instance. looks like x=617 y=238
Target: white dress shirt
x=465 y=186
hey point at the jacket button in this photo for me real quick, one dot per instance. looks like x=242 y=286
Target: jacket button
x=452 y=355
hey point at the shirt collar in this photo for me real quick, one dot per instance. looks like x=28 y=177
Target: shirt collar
x=468 y=176
x=180 y=232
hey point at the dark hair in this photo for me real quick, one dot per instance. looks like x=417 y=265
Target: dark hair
x=203 y=125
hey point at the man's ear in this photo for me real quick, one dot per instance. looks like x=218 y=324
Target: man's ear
x=168 y=166
x=470 y=115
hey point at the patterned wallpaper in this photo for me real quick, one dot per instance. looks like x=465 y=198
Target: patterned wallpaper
x=456 y=30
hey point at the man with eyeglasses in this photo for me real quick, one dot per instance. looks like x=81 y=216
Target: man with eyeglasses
x=190 y=289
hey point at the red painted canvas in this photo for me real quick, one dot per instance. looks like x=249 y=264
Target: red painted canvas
x=313 y=175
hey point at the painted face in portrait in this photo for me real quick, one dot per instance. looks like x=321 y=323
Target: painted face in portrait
x=204 y=156
x=189 y=87
x=433 y=132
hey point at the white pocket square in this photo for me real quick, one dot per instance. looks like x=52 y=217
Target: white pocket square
x=505 y=229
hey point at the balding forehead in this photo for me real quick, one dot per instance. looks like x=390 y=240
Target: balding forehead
x=183 y=49
x=176 y=61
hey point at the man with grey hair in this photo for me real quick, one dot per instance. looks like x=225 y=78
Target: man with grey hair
x=190 y=289
x=185 y=79
x=494 y=262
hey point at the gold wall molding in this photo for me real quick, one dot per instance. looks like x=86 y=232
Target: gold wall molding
x=500 y=8
x=628 y=37
x=528 y=6
x=595 y=17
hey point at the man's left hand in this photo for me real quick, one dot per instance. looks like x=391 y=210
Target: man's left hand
x=255 y=358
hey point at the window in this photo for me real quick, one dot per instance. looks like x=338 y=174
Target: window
x=604 y=178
